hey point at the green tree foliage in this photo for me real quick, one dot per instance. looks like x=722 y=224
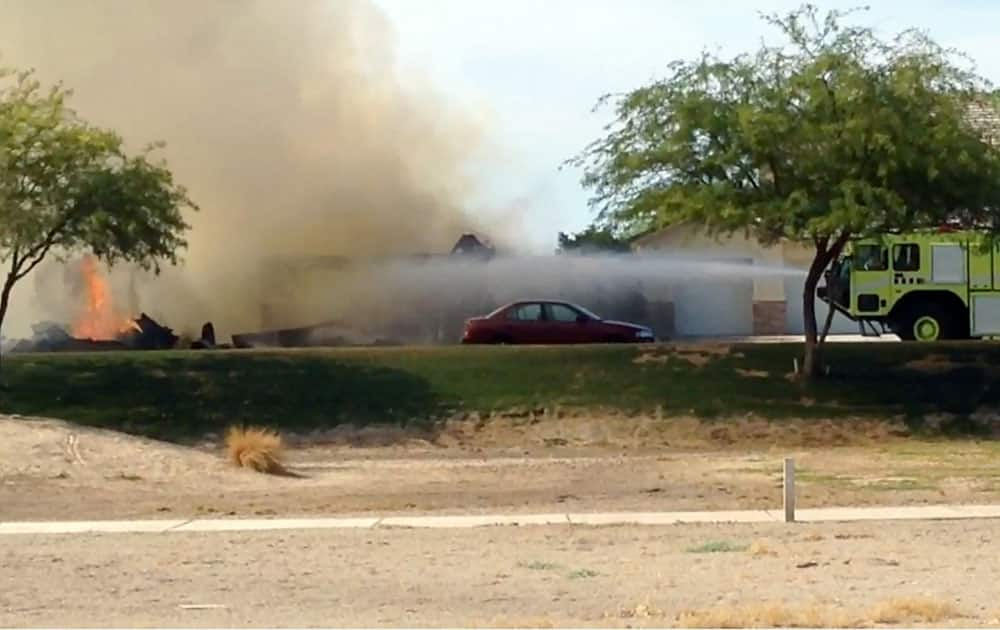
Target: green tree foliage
x=832 y=134
x=594 y=239
x=67 y=186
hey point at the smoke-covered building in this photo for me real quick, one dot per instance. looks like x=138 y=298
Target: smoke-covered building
x=766 y=300
x=426 y=298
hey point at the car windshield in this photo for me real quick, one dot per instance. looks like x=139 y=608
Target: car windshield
x=498 y=310
x=589 y=314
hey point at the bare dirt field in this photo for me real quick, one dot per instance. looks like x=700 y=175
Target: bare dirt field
x=51 y=470
x=909 y=574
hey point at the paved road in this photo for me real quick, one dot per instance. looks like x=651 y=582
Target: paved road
x=931 y=512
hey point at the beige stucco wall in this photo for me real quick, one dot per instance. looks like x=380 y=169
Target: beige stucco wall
x=768 y=290
x=693 y=240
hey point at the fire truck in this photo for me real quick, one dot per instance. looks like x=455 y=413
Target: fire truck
x=924 y=286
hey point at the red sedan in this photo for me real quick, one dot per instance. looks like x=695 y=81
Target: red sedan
x=550 y=322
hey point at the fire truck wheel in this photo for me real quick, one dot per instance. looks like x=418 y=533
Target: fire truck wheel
x=928 y=322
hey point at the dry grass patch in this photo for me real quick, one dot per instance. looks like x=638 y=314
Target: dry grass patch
x=718 y=546
x=778 y=615
x=760 y=548
x=698 y=355
x=913 y=609
x=530 y=622
x=800 y=433
x=256 y=448
x=766 y=615
x=651 y=357
x=695 y=358
x=934 y=364
x=639 y=611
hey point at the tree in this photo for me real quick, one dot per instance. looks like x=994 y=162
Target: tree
x=594 y=239
x=67 y=186
x=835 y=133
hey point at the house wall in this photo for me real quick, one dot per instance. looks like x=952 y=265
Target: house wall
x=768 y=303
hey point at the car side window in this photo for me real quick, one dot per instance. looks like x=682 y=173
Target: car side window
x=562 y=313
x=526 y=313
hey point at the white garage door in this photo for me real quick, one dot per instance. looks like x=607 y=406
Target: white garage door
x=795 y=323
x=714 y=307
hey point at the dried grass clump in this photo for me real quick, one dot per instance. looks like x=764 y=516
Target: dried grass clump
x=766 y=615
x=639 y=611
x=519 y=622
x=778 y=615
x=256 y=448
x=759 y=548
x=914 y=609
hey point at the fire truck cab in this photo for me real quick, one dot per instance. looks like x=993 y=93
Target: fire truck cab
x=923 y=286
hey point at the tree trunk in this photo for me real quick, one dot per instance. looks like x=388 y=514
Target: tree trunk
x=811 y=357
x=831 y=289
x=4 y=303
x=813 y=353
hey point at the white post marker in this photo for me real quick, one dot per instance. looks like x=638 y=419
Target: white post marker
x=789 y=488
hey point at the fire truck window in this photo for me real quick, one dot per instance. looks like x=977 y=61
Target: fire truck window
x=906 y=257
x=871 y=258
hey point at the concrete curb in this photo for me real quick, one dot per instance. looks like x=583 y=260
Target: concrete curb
x=820 y=515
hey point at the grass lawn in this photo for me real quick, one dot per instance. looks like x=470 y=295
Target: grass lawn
x=182 y=394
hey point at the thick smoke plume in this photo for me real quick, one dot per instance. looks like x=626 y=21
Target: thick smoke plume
x=289 y=122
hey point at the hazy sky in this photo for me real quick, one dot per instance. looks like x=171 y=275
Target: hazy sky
x=535 y=68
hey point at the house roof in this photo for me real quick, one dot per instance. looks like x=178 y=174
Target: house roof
x=654 y=235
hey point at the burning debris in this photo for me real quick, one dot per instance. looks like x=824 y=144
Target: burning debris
x=207 y=339
x=143 y=333
x=47 y=337
x=99 y=319
x=148 y=334
x=98 y=324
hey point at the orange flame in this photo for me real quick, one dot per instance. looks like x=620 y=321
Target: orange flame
x=99 y=320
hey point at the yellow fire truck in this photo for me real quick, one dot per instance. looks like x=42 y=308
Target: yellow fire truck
x=923 y=286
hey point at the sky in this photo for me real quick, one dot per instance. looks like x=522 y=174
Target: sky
x=535 y=69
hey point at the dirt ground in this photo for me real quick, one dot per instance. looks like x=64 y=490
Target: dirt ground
x=51 y=470
x=908 y=573
x=807 y=575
